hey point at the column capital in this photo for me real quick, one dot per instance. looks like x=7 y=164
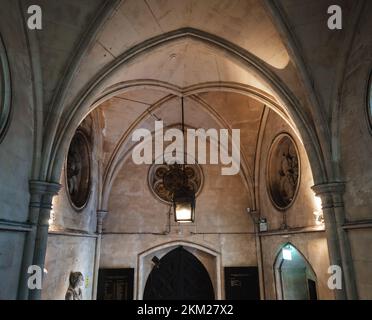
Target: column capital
x=44 y=187
x=331 y=194
x=101 y=214
x=42 y=193
x=333 y=188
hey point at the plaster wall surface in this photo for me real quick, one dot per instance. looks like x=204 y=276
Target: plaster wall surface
x=70 y=253
x=355 y=152
x=16 y=151
x=221 y=217
x=137 y=221
x=220 y=208
x=123 y=251
x=66 y=217
x=308 y=23
x=67 y=254
x=300 y=214
x=221 y=205
x=313 y=246
x=360 y=242
x=355 y=133
x=11 y=248
x=63 y=26
x=142 y=20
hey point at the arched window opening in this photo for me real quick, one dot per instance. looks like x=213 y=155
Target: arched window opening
x=295 y=279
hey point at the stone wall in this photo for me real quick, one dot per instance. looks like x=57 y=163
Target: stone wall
x=16 y=153
x=67 y=254
x=355 y=152
x=72 y=239
x=313 y=246
x=138 y=222
x=11 y=248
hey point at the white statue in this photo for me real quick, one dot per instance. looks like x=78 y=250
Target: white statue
x=74 y=291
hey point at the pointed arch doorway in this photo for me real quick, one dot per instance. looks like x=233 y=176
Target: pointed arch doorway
x=295 y=278
x=179 y=275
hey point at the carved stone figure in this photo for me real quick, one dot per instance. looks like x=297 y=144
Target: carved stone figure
x=73 y=172
x=78 y=170
x=74 y=291
x=288 y=175
x=283 y=171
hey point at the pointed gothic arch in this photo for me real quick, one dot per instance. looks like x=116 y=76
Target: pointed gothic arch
x=294 y=277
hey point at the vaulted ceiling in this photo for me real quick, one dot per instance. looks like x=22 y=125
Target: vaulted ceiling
x=90 y=52
x=203 y=110
x=252 y=25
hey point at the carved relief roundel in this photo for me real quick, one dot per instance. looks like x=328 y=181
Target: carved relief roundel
x=283 y=171
x=160 y=174
x=78 y=176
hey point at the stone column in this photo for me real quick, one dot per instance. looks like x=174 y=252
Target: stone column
x=101 y=214
x=331 y=195
x=42 y=194
x=346 y=256
x=255 y=216
x=38 y=189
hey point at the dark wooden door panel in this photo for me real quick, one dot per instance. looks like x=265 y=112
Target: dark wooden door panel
x=241 y=283
x=115 y=284
x=179 y=275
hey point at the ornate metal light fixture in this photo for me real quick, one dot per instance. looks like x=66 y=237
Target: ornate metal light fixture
x=183 y=197
x=184 y=205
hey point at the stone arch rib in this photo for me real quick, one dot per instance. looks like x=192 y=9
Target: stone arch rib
x=53 y=159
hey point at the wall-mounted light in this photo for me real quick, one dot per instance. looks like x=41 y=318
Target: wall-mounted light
x=262 y=224
x=318 y=213
x=52 y=218
x=287 y=253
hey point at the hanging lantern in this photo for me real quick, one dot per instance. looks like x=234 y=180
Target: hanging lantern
x=175 y=181
x=184 y=205
x=183 y=197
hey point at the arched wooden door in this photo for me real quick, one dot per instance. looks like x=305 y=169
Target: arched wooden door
x=179 y=275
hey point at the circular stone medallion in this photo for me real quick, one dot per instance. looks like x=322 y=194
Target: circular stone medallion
x=78 y=163
x=162 y=180
x=283 y=171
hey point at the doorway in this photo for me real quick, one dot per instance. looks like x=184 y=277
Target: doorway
x=179 y=275
x=295 y=279
x=115 y=284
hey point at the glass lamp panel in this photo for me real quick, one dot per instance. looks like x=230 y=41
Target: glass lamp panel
x=183 y=212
